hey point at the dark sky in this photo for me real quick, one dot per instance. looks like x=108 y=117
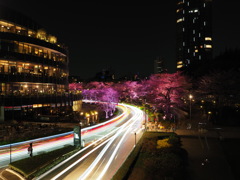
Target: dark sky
x=123 y=37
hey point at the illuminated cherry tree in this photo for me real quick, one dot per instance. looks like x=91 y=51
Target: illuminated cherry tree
x=165 y=92
x=106 y=98
x=73 y=87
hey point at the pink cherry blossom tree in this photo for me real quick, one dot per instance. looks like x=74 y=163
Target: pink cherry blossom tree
x=165 y=92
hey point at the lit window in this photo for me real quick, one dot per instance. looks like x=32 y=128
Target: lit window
x=208 y=46
x=183 y=43
x=179 y=66
x=196 y=50
x=181 y=2
x=179 y=62
x=179 y=20
x=183 y=29
x=178 y=10
x=204 y=23
x=208 y=38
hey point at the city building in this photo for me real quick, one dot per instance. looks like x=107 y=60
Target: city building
x=194 y=32
x=33 y=69
x=159 y=66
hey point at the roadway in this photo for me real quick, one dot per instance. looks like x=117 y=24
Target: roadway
x=16 y=151
x=103 y=160
x=108 y=143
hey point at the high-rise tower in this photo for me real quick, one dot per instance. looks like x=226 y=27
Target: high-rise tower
x=194 y=32
x=159 y=66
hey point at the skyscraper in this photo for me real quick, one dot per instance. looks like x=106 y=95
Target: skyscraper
x=194 y=32
x=159 y=66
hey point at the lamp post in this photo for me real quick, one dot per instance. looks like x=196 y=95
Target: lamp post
x=145 y=114
x=190 y=107
x=80 y=134
x=10 y=153
x=135 y=138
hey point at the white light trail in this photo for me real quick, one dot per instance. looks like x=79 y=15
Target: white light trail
x=68 y=168
x=116 y=149
x=128 y=125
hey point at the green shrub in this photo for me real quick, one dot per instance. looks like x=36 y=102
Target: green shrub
x=174 y=140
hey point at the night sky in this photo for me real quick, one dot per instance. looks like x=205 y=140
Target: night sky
x=125 y=38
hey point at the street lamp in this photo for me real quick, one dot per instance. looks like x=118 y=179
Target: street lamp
x=190 y=108
x=135 y=138
x=80 y=134
x=145 y=114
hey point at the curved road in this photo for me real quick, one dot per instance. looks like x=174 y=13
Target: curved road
x=17 y=151
x=103 y=160
x=108 y=143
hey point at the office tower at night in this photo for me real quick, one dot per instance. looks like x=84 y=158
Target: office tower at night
x=158 y=66
x=194 y=32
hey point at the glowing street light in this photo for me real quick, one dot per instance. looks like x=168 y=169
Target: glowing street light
x=190 y=108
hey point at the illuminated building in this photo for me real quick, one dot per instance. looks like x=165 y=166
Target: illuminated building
x=33 y=68
x=159 y=66
x=194 y=32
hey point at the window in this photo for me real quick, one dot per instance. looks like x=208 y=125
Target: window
x=179 y=20
x=179 y=66
x=178 y=10
x=208 y=39
x=208 y=46
x=181 y=2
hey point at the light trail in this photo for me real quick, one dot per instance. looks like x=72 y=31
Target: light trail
x=49 y=143
x=122 y=116
x=117 y=148
x=128 y=125
x=85 y=148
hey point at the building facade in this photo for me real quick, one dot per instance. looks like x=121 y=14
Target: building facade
x=159 y=66
x=33 y=69
x=194 y=32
